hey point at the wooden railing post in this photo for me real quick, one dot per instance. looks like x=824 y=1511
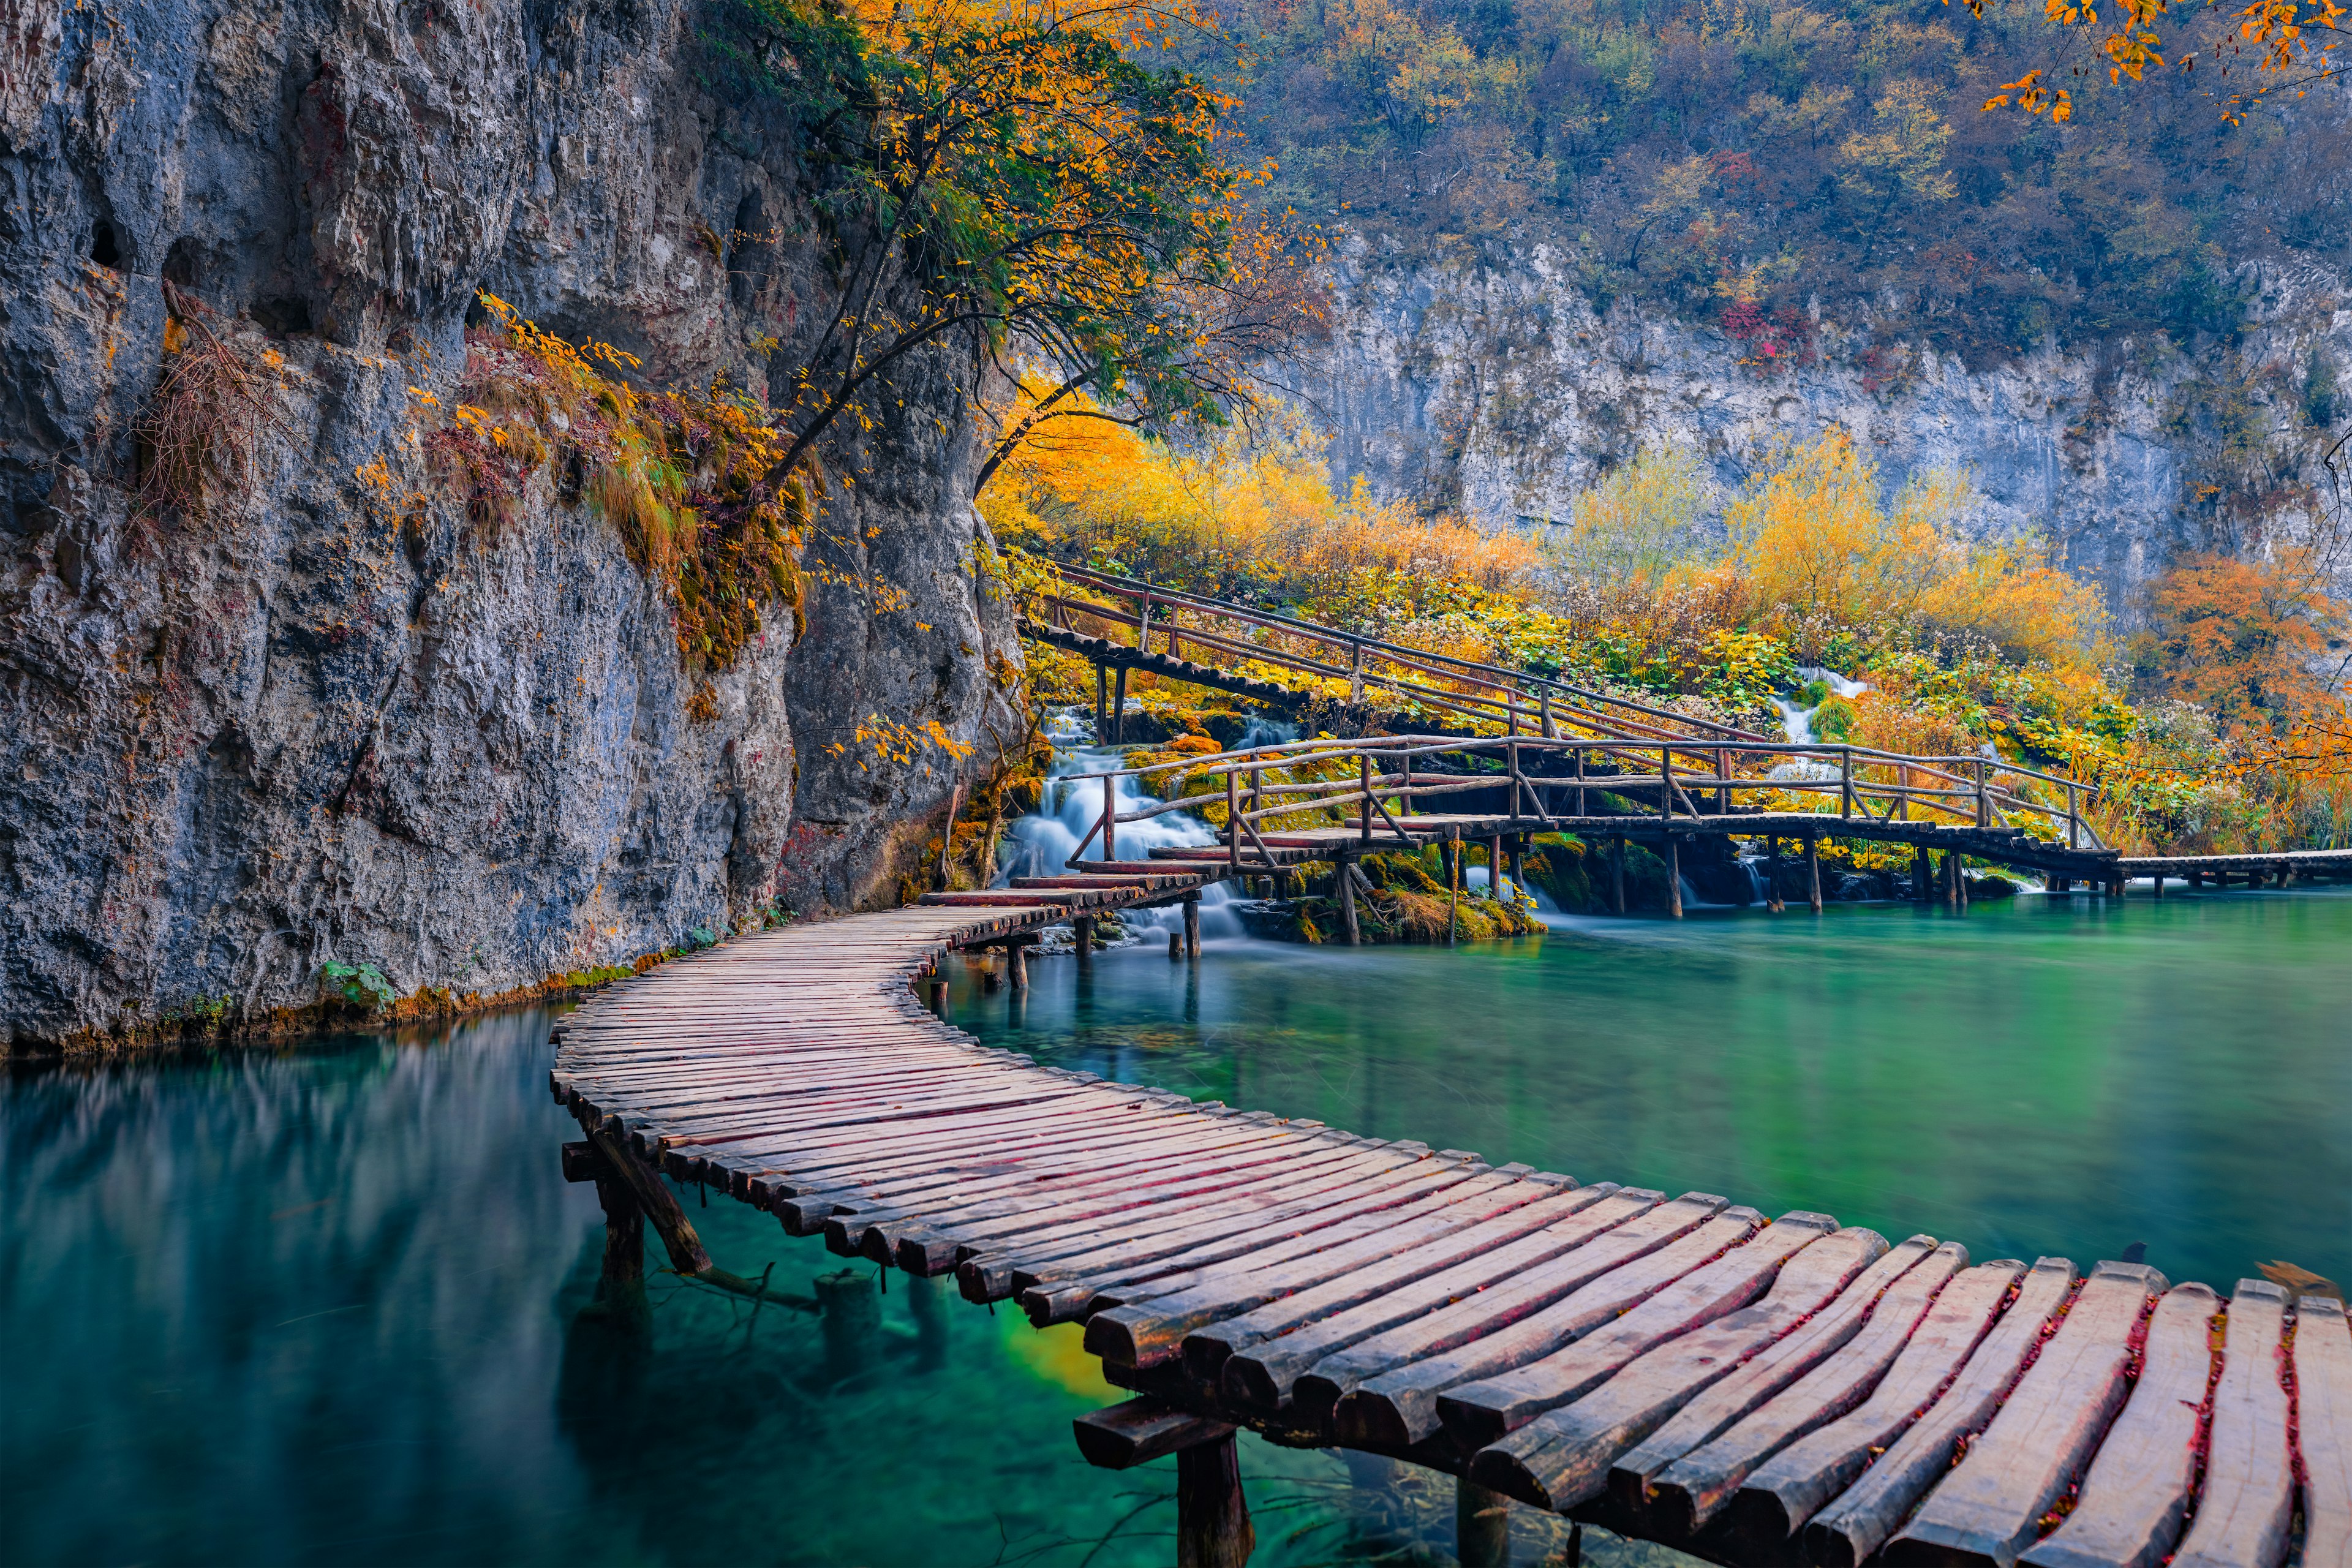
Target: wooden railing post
x=1110 y=817
x=1579 y=780
x=1516 y=781
x=1364 y=809
x=1143 y=622
x=1543 y=707
x=1845 y=781
x=1356 y=677
x=1984 y=805
x=1233 y=823
x=1722 y=781
x=2074 y=818
x=1665 y=782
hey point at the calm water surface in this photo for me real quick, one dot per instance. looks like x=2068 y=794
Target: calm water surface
x=2041 y=1076
x=324 y=1305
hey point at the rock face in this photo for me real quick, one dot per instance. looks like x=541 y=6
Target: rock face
x=335 y=716
x=1489 y=385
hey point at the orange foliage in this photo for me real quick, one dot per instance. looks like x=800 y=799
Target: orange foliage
x=2238 y=638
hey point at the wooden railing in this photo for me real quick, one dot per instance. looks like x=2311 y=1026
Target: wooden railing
x=1866 y=786
x=1516 y=700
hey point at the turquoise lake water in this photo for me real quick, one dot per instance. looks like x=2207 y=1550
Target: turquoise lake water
x=323 y=1304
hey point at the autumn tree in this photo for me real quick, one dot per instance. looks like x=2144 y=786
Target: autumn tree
x=2240 y=638
x=1025 y=183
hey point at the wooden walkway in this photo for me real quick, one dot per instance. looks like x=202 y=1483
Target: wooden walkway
x=1756 y=1390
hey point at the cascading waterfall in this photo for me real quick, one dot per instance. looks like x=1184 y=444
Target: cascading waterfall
x=1041 y=843
x=1797 y=723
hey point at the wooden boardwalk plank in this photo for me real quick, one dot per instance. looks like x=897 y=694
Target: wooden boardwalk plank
x=2136 y=1493
x=1481 y=1413
x=1699 y=1460
x=1869 y=1509
x=2249 y=1491
x=1558 y=1460
x=1605 y=1278
x=1990 y=1508
x=2323 y=1380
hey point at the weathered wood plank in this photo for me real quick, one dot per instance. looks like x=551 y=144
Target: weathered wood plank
x=1989 y=1508
x=2136 y=1493
x=1873 y=1508
x=2323 y=1379
x=1138 y=1431
x=1399 y=1405
x=1558 y=1460
x=1481 y=1413
x=1699 y=1460
x=2249 y=1491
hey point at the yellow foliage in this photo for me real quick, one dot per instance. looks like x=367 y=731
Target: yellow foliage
x=1814 y=551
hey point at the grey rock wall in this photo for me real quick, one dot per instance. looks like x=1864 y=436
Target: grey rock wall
x=1492 y=386
x=312 y=723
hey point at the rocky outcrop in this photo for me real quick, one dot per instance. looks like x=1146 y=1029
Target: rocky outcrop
x=335 y=713
x=1490 y=384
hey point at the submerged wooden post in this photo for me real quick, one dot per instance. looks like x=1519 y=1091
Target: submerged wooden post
x=1213 y=1522
x=1192 y=925
x=1482 y=1526
x=1921 y=874
x=2157 y=879
x=1673 y=878
x=1952 y=877
x=1813 y=867
x=1772 y=902
x=852 y=1320
x=1017 y=966
x=1452 y=879
x=1617 y=873
x=1082 y=936
x=621 y=1283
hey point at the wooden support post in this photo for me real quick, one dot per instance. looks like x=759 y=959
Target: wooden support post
x=655 y=1200
x=935 y=992
x=1175 y=947
x=1233 y=825
x=1813 y=868
x=1495 y=868
x=990 y=981
x=1482 y=1526
x=2058 y=884
x=1452 y=879
x=1347 y=880
x=852 y=1320
x=1519 y=862
x=1951 y=878
x=1213 y=1522
x=1772 y=901
x=1617 y=873
x=1192 y=925
x=1118 y=710
x=2157 y=888
x=1017 y=966
x=1674 y=876
x=621 y=1286
x=1082 y=934
x=1922 y=877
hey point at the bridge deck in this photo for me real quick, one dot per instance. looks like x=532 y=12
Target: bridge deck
x=1754 y=1390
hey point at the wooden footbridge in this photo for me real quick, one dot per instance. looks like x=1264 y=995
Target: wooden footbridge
x=1754 y=1390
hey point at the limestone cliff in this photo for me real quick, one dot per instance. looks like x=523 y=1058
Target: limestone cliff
x=1484 y=381
x=299 y=723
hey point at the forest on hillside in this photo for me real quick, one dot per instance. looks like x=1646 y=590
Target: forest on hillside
x=1754 y=162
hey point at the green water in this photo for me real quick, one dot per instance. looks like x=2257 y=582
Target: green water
x=324 y=1305
x=2041 y=1076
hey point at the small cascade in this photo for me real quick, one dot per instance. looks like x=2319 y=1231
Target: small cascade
x=1041 y=843
x=1797 y=723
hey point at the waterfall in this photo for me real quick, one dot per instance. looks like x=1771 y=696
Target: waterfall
x=1797 y=723
x=1041 y=843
